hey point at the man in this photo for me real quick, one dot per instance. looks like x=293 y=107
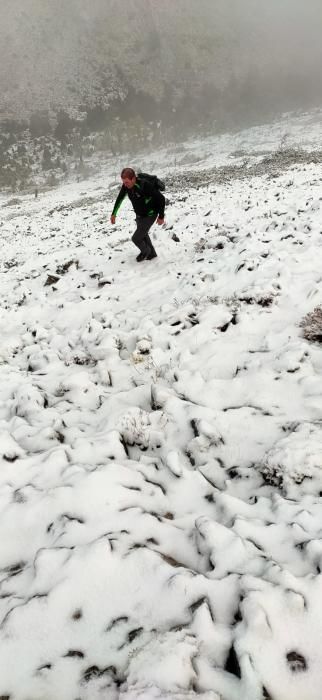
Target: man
x=148 y=204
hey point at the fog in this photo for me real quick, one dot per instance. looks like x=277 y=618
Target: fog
x=220 y=61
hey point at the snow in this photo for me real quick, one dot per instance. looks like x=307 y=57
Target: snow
x=160 y=439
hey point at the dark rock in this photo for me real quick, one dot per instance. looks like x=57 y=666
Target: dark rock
x=224 y=328
x=232 y=663
x=62 y=269
x=296 y=662
x=134 y=633
x=51 y=279
x=10 y=458
x=91 y=672
x=194 y=427
x=95 y=672
x=233 y=473
x=77 y=615
x=194 y=606
x=103 y=282
x=15 y=569
x=73 y=653
x=171 y=561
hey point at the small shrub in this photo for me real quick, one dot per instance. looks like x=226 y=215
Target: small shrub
x=312 y=325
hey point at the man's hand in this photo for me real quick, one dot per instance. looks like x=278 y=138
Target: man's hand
x=160 y=221
x=113 y=218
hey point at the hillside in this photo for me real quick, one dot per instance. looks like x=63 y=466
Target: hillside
x=74 y=55
x=80 y=81
x=160 y=483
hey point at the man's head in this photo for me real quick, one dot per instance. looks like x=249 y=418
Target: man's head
x=128 y=177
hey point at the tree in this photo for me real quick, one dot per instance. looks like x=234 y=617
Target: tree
x=39 y=124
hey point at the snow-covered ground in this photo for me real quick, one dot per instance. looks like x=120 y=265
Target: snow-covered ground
x=161 y=439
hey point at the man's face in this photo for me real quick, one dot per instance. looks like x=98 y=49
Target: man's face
x=128 y=182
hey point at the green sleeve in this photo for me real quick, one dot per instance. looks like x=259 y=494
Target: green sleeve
x=119 y=199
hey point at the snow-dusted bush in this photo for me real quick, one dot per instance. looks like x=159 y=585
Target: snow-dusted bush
x=312 y=325
x=294 y=464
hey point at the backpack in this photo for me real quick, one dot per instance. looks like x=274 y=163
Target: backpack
x=153 y=180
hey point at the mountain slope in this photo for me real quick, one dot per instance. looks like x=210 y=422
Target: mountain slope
x=160 y=492
x=73 y=54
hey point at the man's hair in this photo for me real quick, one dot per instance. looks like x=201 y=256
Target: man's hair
x=128 y=172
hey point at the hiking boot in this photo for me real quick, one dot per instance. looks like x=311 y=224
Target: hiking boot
x=151 y=254
x=141 y=257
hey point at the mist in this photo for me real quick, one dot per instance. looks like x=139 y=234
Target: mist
x=236 y=58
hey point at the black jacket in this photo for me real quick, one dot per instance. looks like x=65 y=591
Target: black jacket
x=145 y=199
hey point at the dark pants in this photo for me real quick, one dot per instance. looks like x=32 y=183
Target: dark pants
x=141 y=236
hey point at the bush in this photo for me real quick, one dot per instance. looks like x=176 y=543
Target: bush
x=312 y=325
x=47 y=163
x=39 y=124
x=64 y=126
